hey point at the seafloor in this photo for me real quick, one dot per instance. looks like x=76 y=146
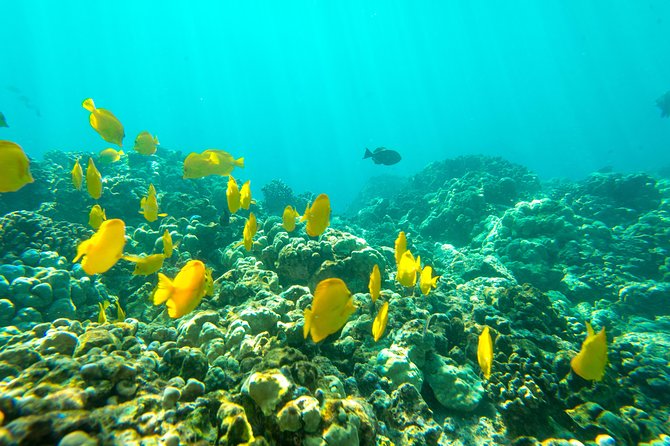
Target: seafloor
x=533 y=261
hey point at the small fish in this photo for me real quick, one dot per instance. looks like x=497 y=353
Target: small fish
x=185 y=292
x=245 y=195
x=96 y=216
x=145 y=144
x=3 y=121
x=400 y=247
x=317 y=216
x=485 y=352
x=664 y=104
x=146 y=265
x=14 y=167
x=591 y=360
x=102 y=317
x=105 y=123
x=379 y=324
x=375 y=283
x=167 y=244
x=382 y=155
x=149 y=205
x=331 y=307
x=250 y=228
x=109 y=156
x=289 y=218
x=408 y=269
x=233 y=195
x=93 y=180
x=77 y=175
x=427 y=281
x=210 y=162
x=120 y=314
x=100 y=252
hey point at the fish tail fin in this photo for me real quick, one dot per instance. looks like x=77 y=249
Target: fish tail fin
x=121 y=153
x=240 y=162
x=368 y=154
x=89 y=105
x=434 y=282
x=418 y=263
x=163 y=214
x=308 y=323
x=81 y=250
x=156 y=140
x=163 y=289
x=304 y=216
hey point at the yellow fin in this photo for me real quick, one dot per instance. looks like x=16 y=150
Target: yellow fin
x=163 y=290
x=89 y=105
x=132 y=258
x=81 y=249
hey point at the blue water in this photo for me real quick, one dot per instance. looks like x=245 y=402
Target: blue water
x=300 y=88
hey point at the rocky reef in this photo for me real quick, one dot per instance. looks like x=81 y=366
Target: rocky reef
x=532 y=261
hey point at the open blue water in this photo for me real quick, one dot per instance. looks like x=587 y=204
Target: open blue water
x=300 y=88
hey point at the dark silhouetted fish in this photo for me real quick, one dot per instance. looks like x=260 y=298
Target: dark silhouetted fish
x=664 y=104
x=382 y=155
x=3 y=121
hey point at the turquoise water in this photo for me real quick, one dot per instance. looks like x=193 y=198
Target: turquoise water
x=301 y=88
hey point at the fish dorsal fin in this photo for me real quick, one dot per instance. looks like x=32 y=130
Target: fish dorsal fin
x=379 y=149
x=214 y=158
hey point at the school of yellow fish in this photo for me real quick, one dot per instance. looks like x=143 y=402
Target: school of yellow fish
x=332 y=302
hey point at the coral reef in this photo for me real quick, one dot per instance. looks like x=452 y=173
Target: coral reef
x=533 y=262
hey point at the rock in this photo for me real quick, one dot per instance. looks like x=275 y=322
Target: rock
x=170 y=397
x=4 y=287
x=394 y=364
x=30 y=257
x=78 y=438
x=234 y=428
x=42 y=294
x=185 y=362
x=192 y=390
x=22 y=356
x=7 y=311
x=97 y=337
x=61 y=342
x=303 y=412
x=189 y=330
x=456 y=388
x=267 y=389
x=260 y=319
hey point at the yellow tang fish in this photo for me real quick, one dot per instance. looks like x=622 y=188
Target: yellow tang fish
x=77 y=175
x=149 y=205
x=120 y=314
x=167 y=244
x=400 y=247
x=14 y=167
x=485 y=352
x=250 y=228
x=317 y=216
x=591 y=360
x=102 y=317
x=379 y=324
x=104 y=248
x=233 y=195
x=96 y=216
x=105 y=123
x=210 y=162
x=245 y=195
x=408 y=269
x=109 y=156
x=146 y=265
x=184 y=293
x=331 y=307
x=427 y=281
x=375 y=283
x=289 y=217
x=93 y=180
x=145 y=144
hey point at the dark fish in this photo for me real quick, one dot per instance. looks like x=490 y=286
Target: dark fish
x=3 y=121
x=664 y=104
x=382 y=155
